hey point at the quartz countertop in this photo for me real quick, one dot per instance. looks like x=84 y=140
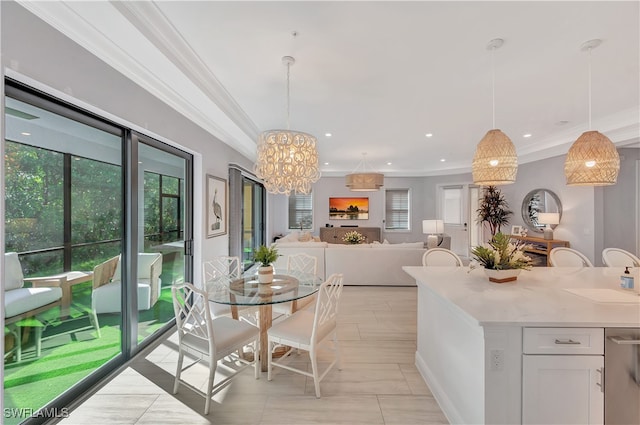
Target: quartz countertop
x=540 y=297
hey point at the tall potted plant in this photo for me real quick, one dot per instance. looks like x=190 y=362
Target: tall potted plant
x=494 y=209
x=265 y=256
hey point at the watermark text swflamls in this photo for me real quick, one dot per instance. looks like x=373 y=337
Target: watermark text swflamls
x=28 y=412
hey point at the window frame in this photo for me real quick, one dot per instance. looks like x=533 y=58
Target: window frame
x=297 y=209
x=388 y=212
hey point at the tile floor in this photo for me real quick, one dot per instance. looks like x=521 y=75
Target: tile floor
x=378 y=383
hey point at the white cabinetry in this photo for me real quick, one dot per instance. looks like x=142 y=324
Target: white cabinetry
x=562 y=376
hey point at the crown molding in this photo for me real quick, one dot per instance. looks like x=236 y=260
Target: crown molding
x=67 y=18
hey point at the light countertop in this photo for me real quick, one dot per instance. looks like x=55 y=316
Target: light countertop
x=540 y=297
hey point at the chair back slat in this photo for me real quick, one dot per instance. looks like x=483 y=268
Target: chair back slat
x=568 y=257
x=328 y=298
x=617 y=257
x=303 y=263
x=193 y=317
x=441 y=257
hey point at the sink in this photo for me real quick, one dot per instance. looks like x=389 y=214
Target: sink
x=607 y=295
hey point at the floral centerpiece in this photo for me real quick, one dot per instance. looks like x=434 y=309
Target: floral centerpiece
x=502 y=258
x=353 y=237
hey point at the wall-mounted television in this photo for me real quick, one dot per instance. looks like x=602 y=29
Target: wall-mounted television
x=348 y=208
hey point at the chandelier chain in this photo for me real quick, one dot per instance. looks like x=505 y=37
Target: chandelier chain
x=493 y=86
x=589 y=87
x=288 y=96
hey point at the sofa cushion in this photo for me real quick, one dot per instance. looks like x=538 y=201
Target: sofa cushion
x=310 y=244
x=13 y=277
x=343 y=245
x=405 y=245
x=21 y=300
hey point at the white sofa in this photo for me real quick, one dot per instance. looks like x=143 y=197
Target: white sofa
x=107 y=297
x=366 y=264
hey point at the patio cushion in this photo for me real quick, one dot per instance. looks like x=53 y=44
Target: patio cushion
x=107 y=298
x=13 y=277
x=18 y=301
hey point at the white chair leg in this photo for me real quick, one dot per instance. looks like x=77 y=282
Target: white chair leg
x=176 y=383
x=93 y=318
x=314 y=369
x=256 y=358
x=269 y=361
x=212 y=374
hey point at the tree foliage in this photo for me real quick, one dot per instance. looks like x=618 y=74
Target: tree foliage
x=494 y=209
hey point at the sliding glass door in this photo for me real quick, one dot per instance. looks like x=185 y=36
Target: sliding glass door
x=102 y=212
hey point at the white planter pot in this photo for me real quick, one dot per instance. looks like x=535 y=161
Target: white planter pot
x=502 y=276
x=265 y=274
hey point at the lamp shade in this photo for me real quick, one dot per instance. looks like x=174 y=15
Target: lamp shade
x=495 y=161
x=364 y=182
x=287 y=161
x=592 y=160
x=549 y=218
x=432 y=226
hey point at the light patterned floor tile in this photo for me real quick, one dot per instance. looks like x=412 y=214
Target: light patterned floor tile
x=110 y=409
x=307 y=410
x=410 y=410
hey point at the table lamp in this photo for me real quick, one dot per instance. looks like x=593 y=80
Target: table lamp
x=548 y=219
x=432 y=228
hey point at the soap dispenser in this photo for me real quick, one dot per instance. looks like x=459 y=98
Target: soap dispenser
x=626 y=280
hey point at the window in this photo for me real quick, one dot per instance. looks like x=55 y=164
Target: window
x=396 y=209
x=300 y=211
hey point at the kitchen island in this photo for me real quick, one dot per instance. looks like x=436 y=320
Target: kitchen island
x=480 y=344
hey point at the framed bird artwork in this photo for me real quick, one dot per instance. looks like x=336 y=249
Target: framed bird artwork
x=216 y=206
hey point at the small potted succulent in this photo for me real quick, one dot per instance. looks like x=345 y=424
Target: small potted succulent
x=265 y=256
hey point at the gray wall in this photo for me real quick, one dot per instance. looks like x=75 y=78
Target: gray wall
x=592 y=218
x=36 y=51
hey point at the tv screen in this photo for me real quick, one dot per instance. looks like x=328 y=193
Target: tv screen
x=348 y=208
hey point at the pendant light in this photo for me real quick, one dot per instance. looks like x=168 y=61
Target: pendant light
x=495 y=161
x=593 y=159
x=363 y=181
x=287 y=160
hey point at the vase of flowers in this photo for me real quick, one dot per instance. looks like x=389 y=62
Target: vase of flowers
x=503 y=259
x=265 y=256
x=353 y=237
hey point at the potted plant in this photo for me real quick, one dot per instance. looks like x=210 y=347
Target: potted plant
x=502 y=258
x=265 y=256
x=494 y=209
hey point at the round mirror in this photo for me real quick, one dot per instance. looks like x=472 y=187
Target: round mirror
x=539 y=201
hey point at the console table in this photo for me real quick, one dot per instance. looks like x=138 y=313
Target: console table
x=335 y=234
x=541 y=246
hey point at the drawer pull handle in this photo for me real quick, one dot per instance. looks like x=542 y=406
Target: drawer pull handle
x=601 y=383
x=624 y=341
x=567 y=342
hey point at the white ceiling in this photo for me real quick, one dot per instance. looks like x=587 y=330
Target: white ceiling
x=377 y=75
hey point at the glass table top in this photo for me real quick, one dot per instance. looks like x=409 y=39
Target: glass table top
x=247 y=291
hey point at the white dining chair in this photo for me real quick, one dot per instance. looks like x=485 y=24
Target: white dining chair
x=298 y=263
x=307 y=330
x=616 y=257
x=567 y=257
x=441 y=257
x=211 y=339
x=221 y=267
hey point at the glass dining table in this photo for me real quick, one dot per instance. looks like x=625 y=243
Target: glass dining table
x=247 y=291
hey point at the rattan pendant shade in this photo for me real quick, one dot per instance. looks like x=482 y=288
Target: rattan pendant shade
x=495 y=161
x=592 y=160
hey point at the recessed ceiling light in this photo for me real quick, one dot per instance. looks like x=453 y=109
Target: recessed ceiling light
x=442 y=160
x=328 y=134
x=326 y=163
x=389 y=163
x=526 y=135
x=428 y=135
x=24 y=133
x=562 y=122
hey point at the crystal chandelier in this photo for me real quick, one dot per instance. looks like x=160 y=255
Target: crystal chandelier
x=593 y=159
x=364 y=181
x=495 y=161
x=287 y=160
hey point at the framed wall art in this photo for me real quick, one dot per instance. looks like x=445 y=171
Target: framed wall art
x=216 y=206
x=348 y=208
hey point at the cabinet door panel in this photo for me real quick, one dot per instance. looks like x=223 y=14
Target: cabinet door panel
x=562 y=390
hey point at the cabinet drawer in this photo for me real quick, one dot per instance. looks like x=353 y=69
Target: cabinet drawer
x=563 y=341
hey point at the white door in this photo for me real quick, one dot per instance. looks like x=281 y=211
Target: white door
x=458 y=204
x=562 y=390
